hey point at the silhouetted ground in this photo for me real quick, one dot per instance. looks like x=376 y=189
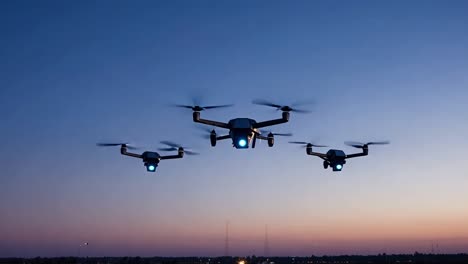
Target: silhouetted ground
x=378 y=259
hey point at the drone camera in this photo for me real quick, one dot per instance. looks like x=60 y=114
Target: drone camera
x=151 y=160
x=241 y=142
x=151 y=167
x=240 y=139
x=338 y=167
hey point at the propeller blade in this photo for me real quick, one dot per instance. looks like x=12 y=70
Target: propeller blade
x=186 y=151
x=309 y=102
x=205 y=129
x=167 y=149
x=189 y=152
x=170 y=144
x=379 y=143
x=183 y=106
x=199 y=108
x=354 y=144
x=319 y=146
x=131 y=147
x=361 y=145
x=109 y=144
x=302 y=111
x=174 y=147
x=217 y=106
x=278 y=107
x=266 y=103
x=127 y=145
x=266 y=133
x=298 y=142
x=283 y=134
x=307 y=143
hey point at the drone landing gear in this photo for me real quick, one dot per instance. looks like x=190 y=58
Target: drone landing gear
x=213 y=138
x=325 y=164
x=271 y=140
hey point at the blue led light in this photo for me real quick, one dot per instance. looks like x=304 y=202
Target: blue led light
x=151 y=168
x=339 y=166
x=242 y=142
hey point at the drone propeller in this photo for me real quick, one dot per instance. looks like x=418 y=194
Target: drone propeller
x=362 y=145
x=206 y=131
x=205 y=136
x=196 y=105
x=283 y=108
x=307 y=143
x=127 y=145
x=198 y=108
x=277 y=134
x=174 y=147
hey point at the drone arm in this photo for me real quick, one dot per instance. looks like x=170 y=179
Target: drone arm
x=179 y=155
x=223 y=137
x=356 y=155
x=283 y=119
x=197 y=119
x=365 y=152
x=320 y=155
x=123 y=151
x=212 y=123
x=317 y=154
x=172 y=157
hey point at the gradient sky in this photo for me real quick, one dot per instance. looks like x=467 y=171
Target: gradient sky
x=73 y=73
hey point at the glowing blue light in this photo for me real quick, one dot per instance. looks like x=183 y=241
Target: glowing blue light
x=339 y=166
x=151 y=168
x=242 y=142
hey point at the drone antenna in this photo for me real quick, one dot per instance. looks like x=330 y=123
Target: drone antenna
x=266 y=244
x=226 y=241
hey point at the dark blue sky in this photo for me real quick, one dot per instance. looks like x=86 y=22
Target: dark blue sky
x=74 y=73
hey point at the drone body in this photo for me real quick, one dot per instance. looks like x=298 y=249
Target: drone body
x=151 y=159
x=336 y=158
x=243 y=132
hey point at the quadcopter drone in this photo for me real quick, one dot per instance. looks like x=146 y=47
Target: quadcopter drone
x=336 y=158
x=243 y=131
x=151 y=159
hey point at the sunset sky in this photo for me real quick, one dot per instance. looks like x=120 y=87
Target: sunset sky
x=74 y=73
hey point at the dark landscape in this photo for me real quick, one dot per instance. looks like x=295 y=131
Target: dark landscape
x=233 y=132
x=376 y=259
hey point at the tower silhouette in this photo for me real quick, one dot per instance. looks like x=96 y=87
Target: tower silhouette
x=266 y=249
x=226 y=241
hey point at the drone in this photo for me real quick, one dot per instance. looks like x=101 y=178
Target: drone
x=335 y=158
x=243 y=131
x=151 y=159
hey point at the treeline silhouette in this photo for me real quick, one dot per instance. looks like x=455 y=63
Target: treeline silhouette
x=417 y=258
